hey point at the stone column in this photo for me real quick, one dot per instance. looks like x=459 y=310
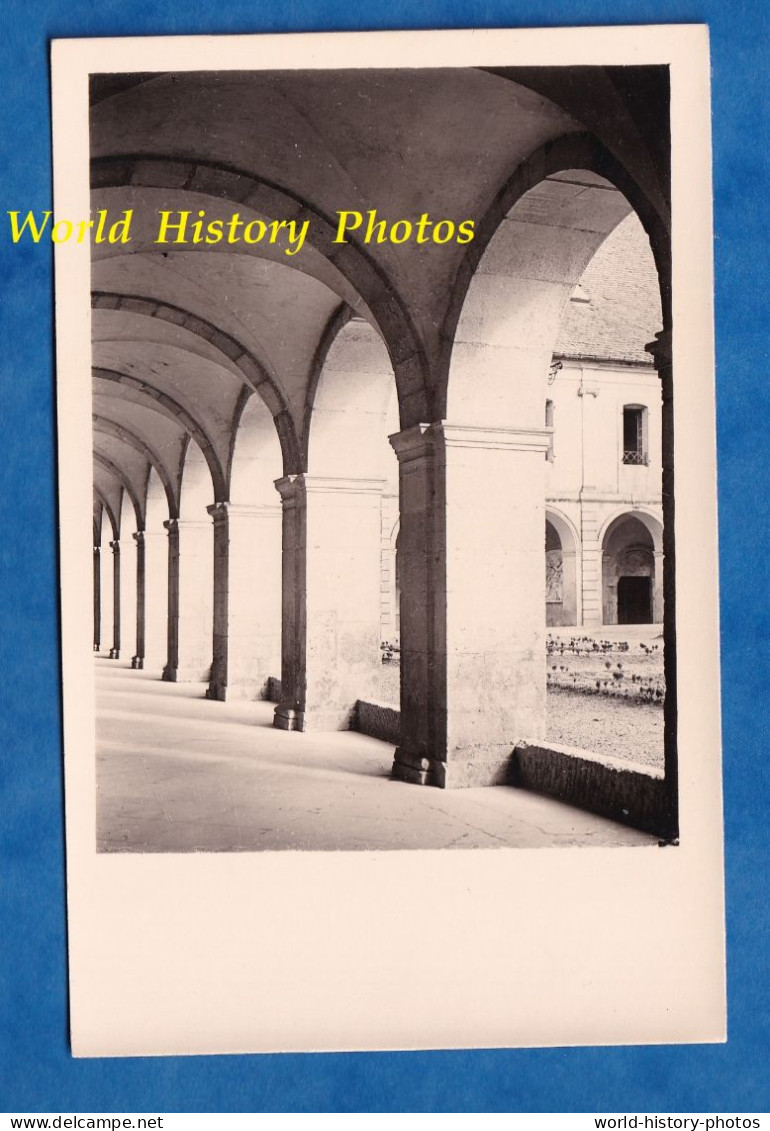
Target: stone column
x=115 y=649
x=156 y=583
x=192 y=603
x=335 y=525
x=662 y=353
x=137 y=660
x=473 y=665
x=247 y=599
x=97 y=598
x=172 y=617
x=289 y=713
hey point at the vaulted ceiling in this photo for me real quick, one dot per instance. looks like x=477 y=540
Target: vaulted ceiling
x=184 y=335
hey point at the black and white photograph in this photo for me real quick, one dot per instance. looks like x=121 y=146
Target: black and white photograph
x=385 y=374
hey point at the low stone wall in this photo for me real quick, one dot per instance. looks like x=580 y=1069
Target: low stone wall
x=627 y=792
x=377 y=720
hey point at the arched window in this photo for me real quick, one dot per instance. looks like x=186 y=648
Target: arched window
x=635 y=434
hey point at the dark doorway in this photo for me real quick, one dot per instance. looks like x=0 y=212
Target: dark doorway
x=634 y=600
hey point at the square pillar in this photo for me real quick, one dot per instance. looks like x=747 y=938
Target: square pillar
x=332 y=568
x=247 y=599
x=473 y=665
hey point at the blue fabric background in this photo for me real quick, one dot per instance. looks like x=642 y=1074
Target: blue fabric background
x=37 y=1072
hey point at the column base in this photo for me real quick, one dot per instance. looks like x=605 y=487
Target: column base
x=247 y=691
x=288 y=716
x=466 y=769
x=184 y=675
x=137 y=663
x=114 y=654
x=97 y=647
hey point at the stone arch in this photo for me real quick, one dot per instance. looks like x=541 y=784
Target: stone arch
x=120 y=432
x=390 y=314
x=578 y=151
x=163 y=403
x=128 y=489
x=646 y=515
x=529 y=252
x=562 y=558
x=107 y=510
x=255 y=371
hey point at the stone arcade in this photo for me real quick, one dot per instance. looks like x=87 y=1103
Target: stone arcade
x=267 y=425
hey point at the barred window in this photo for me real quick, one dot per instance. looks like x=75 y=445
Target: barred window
x=634 y=434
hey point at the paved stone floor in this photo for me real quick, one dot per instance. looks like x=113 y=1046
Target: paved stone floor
x=179 y=773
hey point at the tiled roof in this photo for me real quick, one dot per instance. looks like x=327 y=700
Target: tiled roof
x=623 y=313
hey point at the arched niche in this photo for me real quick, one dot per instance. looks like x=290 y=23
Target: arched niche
x=561 y=562
x=631 y=575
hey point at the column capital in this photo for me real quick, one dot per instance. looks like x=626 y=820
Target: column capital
x=412 y=443
x=176 y=524
x=661 y=349
x=115 y=546
x=138 y=537
x=218 y=512
x=289 y=487
x=97 y=549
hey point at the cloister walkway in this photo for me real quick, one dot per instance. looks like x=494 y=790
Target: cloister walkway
x=179 y=773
